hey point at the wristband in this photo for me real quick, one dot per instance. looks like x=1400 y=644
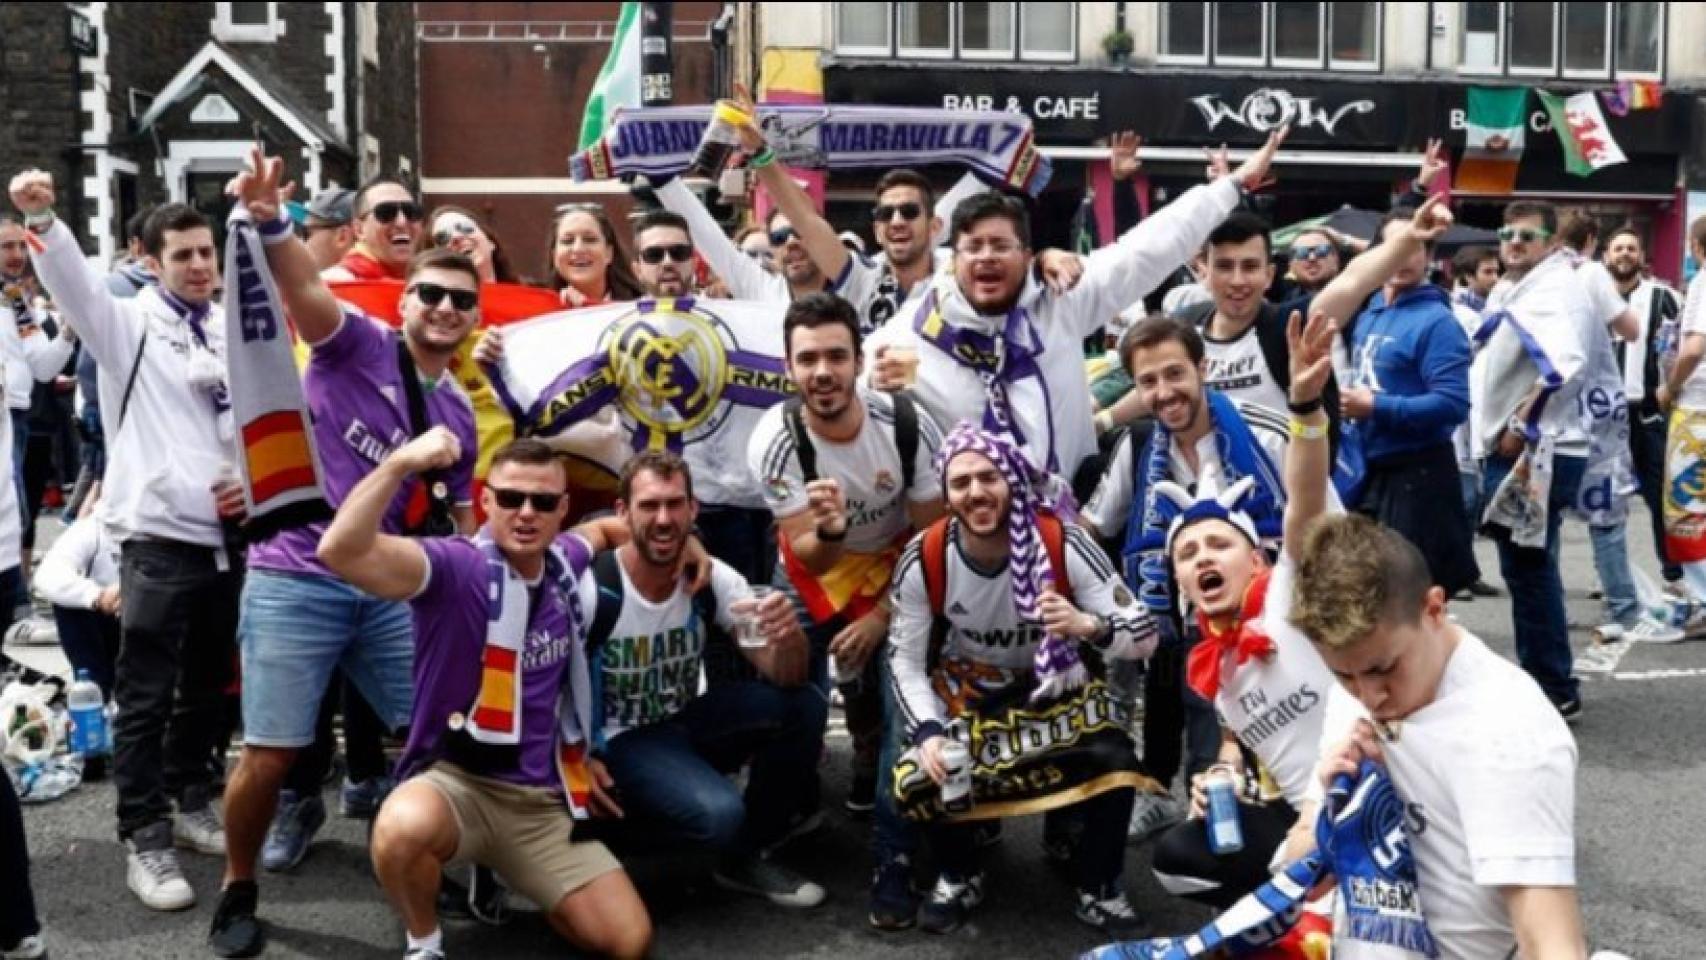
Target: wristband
x=831 y=538
x=39 y=221
x=1308 y=431
x=761 y=159
x=1303 y=409
x=276 y=231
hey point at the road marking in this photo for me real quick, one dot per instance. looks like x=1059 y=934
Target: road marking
x=1660 y=674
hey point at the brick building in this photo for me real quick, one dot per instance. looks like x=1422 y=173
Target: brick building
x=135 y=103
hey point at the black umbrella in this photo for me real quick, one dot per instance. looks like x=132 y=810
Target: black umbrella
x=1363 y=224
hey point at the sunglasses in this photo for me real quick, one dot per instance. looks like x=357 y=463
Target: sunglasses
x=883 y=213
x=1318 y=252
x=782 y=236
x=432 y=295
x=677 y=252
x=513 y=499
x=454 y=228
x=388 y=211
x=1522 y=234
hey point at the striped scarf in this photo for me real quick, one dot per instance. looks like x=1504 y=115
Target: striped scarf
x=1056 y=663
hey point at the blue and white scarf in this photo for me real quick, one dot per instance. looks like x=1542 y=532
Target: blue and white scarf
x=1360 y=842
x=1147 y=569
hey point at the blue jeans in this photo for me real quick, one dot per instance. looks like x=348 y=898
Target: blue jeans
x=671 y=775
x=1616 y=580
x=1471 y=483
x=1537 y=591
x=295 y=629
x=891 y=834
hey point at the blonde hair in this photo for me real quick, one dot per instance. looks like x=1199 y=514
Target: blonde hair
x=1353 y=575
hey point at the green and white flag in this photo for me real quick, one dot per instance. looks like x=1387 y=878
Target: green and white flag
x=618 y=83
x=1581 y=127
x=1493 y=139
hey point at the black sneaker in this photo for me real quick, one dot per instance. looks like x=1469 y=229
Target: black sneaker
x=894 y=901
x=1482 y=588
x=987 y=833
x=1108 y=910
x=950 y=903
x=488 y=899
x=1570 y=708
x=235 y=931
x=762 y=877
x=862 y=796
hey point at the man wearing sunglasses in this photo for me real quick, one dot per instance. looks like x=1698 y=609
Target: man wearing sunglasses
x=1315 y=262
x=388 y=230
x=792 y=272
x=369 y=389
x=663 y=254
x=1540 y=367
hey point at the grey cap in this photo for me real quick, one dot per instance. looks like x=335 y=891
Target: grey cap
x=332 y=208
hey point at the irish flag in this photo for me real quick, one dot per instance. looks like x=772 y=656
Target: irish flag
x=1588 y=143
x=1494 y=139
x=618 y=83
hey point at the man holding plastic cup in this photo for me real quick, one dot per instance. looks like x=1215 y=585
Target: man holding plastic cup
x=662 y=750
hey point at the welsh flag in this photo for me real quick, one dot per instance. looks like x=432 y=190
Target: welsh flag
x=1581 y=127
x=618 y=82
x=1494 y=139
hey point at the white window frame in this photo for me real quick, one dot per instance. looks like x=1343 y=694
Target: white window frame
x=1270 y=15
x=1202 y=59
x=1557 y=53
x=1604 y=70
x=852 y=50
x=1356 y=66
x=1617 y=70
x=1260 y=60
x=927 y=53
x=229 y=32
x=1070 y=55
x=1498 y=67
x=967 y=53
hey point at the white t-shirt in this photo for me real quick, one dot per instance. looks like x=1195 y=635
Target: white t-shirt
x=1635 y=354
x=1110 y=506
x=983 y=625
x=868 y=469
x=869 y=284
x=1604 y=302
x=1238 y=369
x=1694 y=321
x=1276 y=706
x=30 y=356
x=1462 y=439
x=1552 y=308
x=1488 y=775
x=649 y=666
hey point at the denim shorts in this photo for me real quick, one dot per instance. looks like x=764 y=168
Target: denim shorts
x=295 y=628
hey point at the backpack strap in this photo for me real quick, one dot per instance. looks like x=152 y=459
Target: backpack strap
x=607 y=573
x=934 y=553
x=803 y=449
x=906 y=439
x=1053 y=532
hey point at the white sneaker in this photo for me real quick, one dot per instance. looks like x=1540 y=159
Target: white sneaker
x=1600 y=657
x=1150 y=814
x=1694 y=628
x=200 y=830
x=1653 y=631
x=154 y=876
x=30 y=948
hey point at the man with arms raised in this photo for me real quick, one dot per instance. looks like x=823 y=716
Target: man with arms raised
x=503 y=716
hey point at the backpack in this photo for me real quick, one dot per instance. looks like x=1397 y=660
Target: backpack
x=607 y=573
x=905 y=438
x=934 y=554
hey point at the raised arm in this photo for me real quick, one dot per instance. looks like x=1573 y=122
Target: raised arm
x=76 y=287
x=821 y=241
x=1309 y=457
x=746 y=279
x=1365 y=274
x=388 y=566
x=307 y=299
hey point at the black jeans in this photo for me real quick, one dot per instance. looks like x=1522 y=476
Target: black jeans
x=1187 y=867
x=364 y=741
x=1098 y=858
x=177 y=655
x=1647 y=449
x=90 y=641
x=18 y=905
x=1173 y=712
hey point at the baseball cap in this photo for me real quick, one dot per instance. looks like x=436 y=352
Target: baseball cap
x=332 y=208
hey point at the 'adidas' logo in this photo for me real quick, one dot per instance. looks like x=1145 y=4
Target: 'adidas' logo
x=959 y=609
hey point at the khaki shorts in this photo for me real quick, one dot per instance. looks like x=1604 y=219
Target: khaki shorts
x=520 y=832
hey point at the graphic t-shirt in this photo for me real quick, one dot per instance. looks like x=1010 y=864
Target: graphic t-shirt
x=869 y=284
x=360 y=410
x=451 y=613
x=1238 y=368
x=649 y=666
x=868 y=469
x=1487 y=772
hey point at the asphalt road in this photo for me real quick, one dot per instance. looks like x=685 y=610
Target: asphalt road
x=1640 y=858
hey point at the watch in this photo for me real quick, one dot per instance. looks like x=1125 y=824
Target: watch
x=39 y=221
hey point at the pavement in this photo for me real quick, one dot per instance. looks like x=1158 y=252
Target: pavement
x=1640 y=868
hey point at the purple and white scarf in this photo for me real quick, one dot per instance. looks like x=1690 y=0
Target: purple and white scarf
x=1056 y=663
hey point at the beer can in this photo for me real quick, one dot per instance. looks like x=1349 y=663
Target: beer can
x=956 y=789
x=1225 y=831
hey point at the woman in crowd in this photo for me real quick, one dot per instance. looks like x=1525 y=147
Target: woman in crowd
x=460 y=229
x=586 y=266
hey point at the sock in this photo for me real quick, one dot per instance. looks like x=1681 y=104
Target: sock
x=432 y=941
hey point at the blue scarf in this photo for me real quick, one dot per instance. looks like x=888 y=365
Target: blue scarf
x=1147 y=570
x=1361 y=842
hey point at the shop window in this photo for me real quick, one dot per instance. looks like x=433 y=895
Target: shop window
x=247 y=22
x=1285 y=35
x=1575 y=39
x=969 y=31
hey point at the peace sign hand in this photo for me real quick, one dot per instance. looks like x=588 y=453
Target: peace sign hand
x=257 y=187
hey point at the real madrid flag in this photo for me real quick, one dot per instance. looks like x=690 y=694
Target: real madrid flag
x=687 y=375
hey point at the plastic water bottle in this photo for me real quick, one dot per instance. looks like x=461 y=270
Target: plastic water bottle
x=1225 y=831
x=89 y=734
